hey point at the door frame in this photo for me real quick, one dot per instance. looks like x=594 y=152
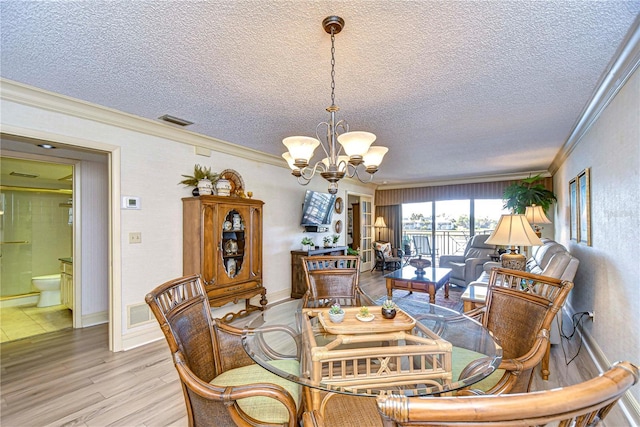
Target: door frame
x=366 y=230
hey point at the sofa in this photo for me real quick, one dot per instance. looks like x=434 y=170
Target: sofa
x=551 y=259
x=467 y=267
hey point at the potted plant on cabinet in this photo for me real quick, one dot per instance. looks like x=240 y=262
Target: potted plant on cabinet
x=201 y=174
x=526 y=193
x=327 y=241
x=307 y=244
x=335 y=239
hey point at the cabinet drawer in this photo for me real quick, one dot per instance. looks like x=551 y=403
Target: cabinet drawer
x=217 y=292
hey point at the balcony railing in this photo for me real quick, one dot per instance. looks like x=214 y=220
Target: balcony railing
x=442 y=242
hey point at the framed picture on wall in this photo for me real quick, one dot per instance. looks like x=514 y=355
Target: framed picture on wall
x=580 y=208
x=573 y=208
x=584 y=200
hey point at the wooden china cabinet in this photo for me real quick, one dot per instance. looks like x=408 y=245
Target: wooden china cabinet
x=222 y=241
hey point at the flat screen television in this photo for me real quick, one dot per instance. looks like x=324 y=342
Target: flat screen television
x=317 y=208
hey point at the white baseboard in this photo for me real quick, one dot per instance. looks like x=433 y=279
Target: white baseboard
x=21 y=300
x=141 y=336
x=628 y=404
x=95 y=318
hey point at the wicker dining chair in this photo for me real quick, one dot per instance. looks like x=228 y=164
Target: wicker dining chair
x=220 y=383
x=584 y=404
x=519 y=310
x=332 y=279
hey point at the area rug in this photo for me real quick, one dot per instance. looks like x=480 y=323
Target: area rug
x=453 y=302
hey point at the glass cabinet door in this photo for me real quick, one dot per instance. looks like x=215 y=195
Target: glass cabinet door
x=235 y=244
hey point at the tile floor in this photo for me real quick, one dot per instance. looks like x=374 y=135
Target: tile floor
x=28 y=320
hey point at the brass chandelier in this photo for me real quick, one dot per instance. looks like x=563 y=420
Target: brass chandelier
x=356 y=145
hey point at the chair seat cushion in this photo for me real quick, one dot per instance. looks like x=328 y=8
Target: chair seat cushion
x=263 y=408
x=461 y=357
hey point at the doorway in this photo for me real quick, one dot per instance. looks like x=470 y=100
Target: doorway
x=88 y=270
x=360 y=227
x=36 y=235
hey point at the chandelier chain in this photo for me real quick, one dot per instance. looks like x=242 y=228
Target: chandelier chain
x=333 y=71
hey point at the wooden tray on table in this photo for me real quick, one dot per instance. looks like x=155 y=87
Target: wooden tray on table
x=351 y=326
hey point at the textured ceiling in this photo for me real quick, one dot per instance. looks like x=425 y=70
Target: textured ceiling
x=441 y=83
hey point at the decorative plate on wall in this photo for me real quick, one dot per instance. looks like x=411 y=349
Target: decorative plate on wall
x=237 y=184
x=338 y=205
x=338 y=226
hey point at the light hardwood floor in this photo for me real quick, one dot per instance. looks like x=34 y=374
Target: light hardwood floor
x=69 y=377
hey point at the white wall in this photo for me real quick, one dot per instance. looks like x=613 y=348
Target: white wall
x=607 y=280
x=151 y=163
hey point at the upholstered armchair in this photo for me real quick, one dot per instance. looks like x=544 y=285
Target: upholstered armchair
x=468 y=267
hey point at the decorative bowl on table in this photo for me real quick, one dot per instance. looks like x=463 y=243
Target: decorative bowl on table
x=420 y=263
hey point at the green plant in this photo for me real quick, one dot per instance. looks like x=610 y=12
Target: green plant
x=199 y=172
x=335 y=238
x=336 y=309
x=364 y=311
x=526 y=193
x=326 y=240
x=307 y=241
x=389 y=305
x=351 y=251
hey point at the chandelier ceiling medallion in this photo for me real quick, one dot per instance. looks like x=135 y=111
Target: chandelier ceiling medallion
x=356 y=145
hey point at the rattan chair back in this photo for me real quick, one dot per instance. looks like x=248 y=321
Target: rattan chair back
x=330 y=280
x=519 y=311
x=203 y=348
x=583 y=404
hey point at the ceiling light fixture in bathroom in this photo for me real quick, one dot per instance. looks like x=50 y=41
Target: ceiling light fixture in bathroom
x=24 y=175
x=175 y=120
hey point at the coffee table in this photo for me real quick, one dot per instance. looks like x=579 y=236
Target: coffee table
x=409 y=279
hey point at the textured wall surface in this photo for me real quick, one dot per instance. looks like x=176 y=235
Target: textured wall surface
x=607 y=278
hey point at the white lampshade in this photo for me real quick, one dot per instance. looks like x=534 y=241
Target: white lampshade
x=301 y=147
x=514 y=230
x=535 y=215
x=356 y=143
x=379 y=222
x=289 y=160
x=374 y=156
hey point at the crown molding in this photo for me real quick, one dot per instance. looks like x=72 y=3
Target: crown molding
x=624 y=63
x=467 y=180
x=39 y=98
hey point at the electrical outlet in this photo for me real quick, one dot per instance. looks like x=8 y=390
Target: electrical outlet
x=592 y=315
x=135 y=237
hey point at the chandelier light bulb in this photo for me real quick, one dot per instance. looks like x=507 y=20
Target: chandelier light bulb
x=374 y=156
x=356 y=143
x=301 y=148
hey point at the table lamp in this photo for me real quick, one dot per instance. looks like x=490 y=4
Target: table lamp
x=535 y=215
x=514 y=230
x=379 y=224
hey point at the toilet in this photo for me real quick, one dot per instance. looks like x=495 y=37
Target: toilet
x=49 y=287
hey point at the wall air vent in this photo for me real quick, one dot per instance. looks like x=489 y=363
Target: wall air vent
x=138 y=314
x=175 y=120
x=24 y=175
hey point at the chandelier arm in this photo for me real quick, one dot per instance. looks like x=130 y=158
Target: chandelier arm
x=357 y=175
x=327 y=153
x=309 y=172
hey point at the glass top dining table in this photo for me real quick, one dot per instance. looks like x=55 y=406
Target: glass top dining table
x=425 y=350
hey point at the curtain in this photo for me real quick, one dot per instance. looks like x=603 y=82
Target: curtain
x=478 y=190
x=393 y=218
